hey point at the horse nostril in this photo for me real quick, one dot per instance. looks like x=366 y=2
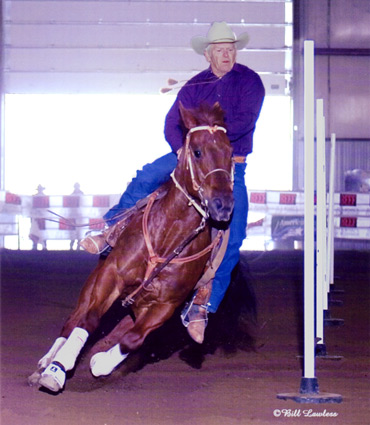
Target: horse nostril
x=221 y=208
x=218 y=204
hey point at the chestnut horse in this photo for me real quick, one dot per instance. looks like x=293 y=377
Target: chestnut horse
x=173 y=229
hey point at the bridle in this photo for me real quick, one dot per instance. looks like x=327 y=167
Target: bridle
x=198 y=186
x=157 y=263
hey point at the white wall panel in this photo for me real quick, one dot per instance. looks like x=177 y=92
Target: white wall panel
x=128 y=83
x=144 y=11
x=129 y=60
x=84 y=42
x=129 y=35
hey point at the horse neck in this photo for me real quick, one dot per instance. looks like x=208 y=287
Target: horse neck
x=176 y=204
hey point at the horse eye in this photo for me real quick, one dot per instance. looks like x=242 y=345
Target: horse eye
x=197 y=153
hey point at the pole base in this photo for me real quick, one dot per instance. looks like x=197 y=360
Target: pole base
x=335 y=289
x=320 y=350
x=321 y=353
x=335 y=302
x=333 y=322
x=309 y=393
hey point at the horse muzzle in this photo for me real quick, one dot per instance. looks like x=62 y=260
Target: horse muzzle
x=221 y=208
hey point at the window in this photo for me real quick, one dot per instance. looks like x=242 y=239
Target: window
x=100 y=141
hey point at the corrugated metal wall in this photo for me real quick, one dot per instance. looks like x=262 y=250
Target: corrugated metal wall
x=132 y=46
x=341 y=32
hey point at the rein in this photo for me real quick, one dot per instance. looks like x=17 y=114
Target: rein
x=156 y=264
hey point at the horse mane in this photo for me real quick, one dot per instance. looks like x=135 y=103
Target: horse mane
x=206 y=114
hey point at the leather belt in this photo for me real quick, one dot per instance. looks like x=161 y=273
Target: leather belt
x=239 y=159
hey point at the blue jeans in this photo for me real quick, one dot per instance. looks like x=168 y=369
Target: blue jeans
x=158 y=172
x=238 y=231
x=147 y=180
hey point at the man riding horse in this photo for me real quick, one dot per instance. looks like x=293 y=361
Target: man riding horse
x=160 y=255
x=240 y=92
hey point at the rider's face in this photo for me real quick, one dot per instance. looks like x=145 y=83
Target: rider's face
x=222 y=57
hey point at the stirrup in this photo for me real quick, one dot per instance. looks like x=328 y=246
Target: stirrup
x=193 y=313
x=195 y=318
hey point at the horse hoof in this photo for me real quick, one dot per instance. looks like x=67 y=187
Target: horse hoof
x=103 y=364
x=34 y=378
x=53 y=378
x=99 y=365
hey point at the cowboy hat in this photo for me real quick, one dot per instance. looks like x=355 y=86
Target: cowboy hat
x=219 y=32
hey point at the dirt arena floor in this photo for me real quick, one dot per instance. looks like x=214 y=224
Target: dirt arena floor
x=172 y=381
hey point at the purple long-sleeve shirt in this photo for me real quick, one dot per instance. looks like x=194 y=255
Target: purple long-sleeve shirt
x=240 y=93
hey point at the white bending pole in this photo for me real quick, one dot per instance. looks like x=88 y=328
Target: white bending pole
x=309 y=262
x=321 y=293
x=330 y=261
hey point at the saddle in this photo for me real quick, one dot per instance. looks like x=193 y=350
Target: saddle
x=113 y=232
x=98 y=244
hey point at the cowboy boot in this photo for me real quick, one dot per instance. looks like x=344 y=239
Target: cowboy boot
x=195 y=314
x=95 y=244
x=98 y=243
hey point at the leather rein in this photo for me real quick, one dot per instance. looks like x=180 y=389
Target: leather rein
x=156 y=264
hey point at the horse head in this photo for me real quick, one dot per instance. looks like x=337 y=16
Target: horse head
x=205 y=162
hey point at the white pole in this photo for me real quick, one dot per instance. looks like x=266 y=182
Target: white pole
x=309 y=261
x=321 y=293
x=330 y=261
x=309 y=388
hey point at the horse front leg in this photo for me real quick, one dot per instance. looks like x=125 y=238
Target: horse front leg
x=54 y=376
x=97 y=296
x=132 y=337
x=45 y=361
x=114 y=336
x=67 y=329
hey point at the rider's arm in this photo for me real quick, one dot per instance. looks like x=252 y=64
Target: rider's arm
x=241 y=120
x=173 y=130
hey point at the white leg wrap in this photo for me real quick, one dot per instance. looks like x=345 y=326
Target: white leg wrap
x=102 y=364
x=49 y=356
x=53 y=378
x=68 y=354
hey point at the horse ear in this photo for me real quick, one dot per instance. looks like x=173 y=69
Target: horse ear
x=218 y=111
x=217 y=107
x=187 y=117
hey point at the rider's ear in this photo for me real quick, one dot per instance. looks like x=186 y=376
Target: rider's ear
x=187 y=117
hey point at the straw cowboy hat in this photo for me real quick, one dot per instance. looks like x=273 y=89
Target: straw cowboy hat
x=219 y=32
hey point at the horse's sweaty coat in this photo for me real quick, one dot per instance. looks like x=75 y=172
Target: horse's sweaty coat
x=201 y=187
